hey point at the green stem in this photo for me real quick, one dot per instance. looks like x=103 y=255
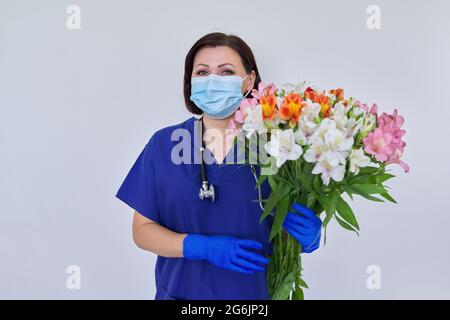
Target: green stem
x=286 y=256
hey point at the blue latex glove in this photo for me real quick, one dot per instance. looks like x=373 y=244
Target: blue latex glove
x=305 y=227
x=225 y=252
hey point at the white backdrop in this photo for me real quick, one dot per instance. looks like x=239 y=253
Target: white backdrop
x=78 y=105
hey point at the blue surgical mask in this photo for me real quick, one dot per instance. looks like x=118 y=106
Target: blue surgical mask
x=217 y=96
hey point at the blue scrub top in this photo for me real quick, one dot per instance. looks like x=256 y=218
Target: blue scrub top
x=167 y=193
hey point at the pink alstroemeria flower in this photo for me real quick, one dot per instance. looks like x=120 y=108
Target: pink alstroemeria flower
x=378 y=144
x=232 y=131
x=264 y=90
x=373 y=109
x=392 y=124
x=362 y=105
x=241 y=113
x=386 y=142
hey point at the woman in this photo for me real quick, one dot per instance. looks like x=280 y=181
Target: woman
x=213 y=248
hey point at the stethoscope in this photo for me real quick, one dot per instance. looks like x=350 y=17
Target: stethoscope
x=207 y=190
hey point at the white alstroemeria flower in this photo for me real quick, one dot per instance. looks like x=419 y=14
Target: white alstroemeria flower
x=358 y=160
x=254 y=121
x=282 y=146
x=274 y=123
x=368 y=122
x=341 y=121
x=307 y=120
x=327 y=171
x=339 y=110
x=338 y=145
x=339 y=115
x=356 y=111
x=324 y=126
x=300 y=137
x=295 y=87
x=316 y=151
x=352 y=127
x=345 y=120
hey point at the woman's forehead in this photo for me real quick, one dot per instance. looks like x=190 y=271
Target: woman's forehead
x=217 y=56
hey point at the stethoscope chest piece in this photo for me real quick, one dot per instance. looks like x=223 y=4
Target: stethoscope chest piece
x=207 y=191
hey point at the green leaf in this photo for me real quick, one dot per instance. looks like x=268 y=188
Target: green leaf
x=384 y=176
x=388 y=197
x=281 y=212
x=349 y=190
x=367 y=189
x=276 y=180
x=311 y=198
x=298 y=294
x=316 y=183
x=261 y=180
x=368 y=170
x=365 y=175
x=372 y=198
x=302 y=283
x=346 y=213
x=345 y=225
x=269 y=204
x=328 y=201
x=272 y=182
x=275 y=196
x=284 y=289
x=283 y=180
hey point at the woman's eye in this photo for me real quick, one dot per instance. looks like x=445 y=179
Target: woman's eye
x=201 y=73
x=228 y=72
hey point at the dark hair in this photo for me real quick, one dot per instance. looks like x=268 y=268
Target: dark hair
x=213 y=40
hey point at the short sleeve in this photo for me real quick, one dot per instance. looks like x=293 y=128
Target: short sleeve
x=139 y=189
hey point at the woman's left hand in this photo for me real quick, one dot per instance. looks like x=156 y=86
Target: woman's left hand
x=304 y=227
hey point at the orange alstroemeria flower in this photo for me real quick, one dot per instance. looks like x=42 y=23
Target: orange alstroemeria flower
x=268 y=103
x=339 y=93
x=315 y=97
x=291 y=108
x=325 y=110
x=310 y=94
x=320 y=98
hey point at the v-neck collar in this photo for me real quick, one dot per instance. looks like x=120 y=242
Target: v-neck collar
x=214 y=169
x=226 y=161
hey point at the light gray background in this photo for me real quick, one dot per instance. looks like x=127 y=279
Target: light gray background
x=77 y=107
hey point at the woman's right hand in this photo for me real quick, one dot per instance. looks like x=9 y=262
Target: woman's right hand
x=225 y=252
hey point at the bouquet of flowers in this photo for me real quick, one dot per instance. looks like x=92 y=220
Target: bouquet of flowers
x=318 y=146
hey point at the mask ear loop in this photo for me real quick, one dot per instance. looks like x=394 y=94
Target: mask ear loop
x=248 y=90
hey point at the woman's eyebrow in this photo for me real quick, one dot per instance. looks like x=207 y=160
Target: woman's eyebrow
x=224 y=64
x=219 y=66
